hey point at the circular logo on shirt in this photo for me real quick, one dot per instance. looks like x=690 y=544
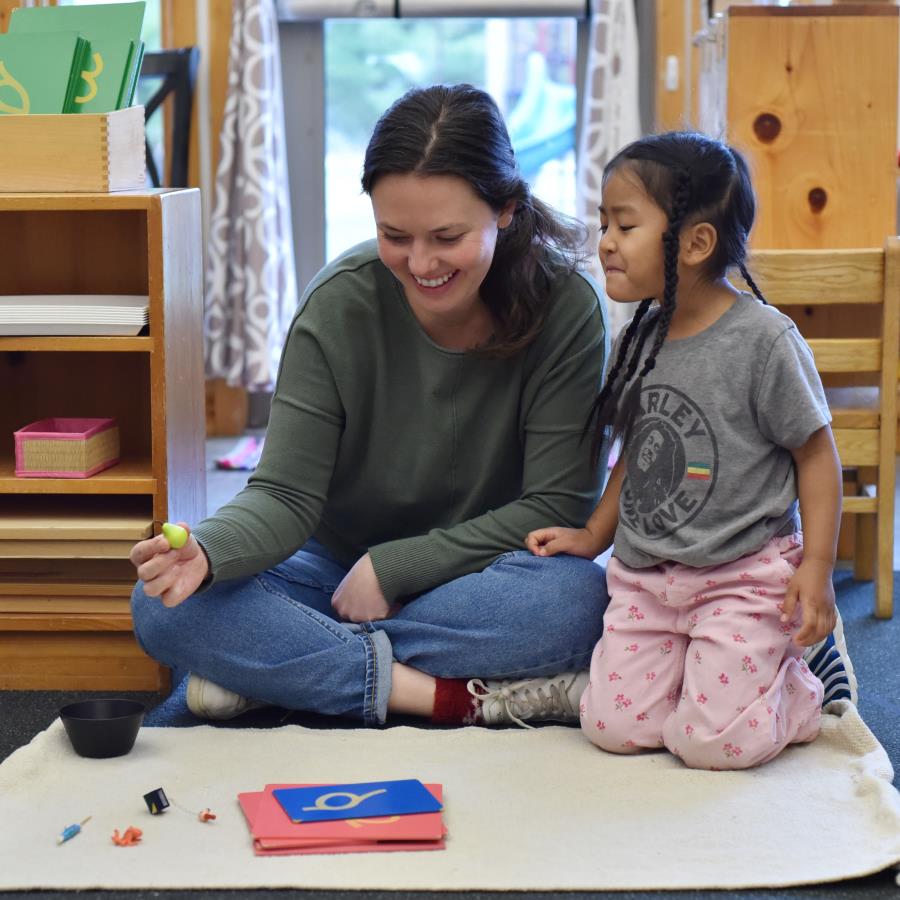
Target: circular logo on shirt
x=671 y=464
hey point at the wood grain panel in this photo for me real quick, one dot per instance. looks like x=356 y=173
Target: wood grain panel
x=825 y=277
x=822 y=136
x=670 y=41
x=857 y=446
x=76 y=661
x=837 y=355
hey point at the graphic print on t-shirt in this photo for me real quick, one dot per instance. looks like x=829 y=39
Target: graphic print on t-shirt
x=671 y=464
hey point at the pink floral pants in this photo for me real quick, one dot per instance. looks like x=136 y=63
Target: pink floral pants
x=698 y=661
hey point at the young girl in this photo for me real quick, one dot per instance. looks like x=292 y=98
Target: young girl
x=723 y=423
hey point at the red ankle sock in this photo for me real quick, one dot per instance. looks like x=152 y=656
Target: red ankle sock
x=453 y=704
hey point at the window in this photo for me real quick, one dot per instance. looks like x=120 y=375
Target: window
x=527 y=65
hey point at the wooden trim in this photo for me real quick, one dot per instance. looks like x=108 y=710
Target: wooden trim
x=890 y=335
x=77 y=661
x=857 y=447
x=860 y=504
x=669 y=42
x=847 y=355
x=53 y=622
x=819 y=277
x=844 y=9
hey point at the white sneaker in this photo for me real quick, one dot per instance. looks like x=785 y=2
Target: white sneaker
x=551 y=699
x=208 y=700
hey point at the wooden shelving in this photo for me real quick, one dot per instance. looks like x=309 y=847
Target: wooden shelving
x=98 y=344
x=65 y=579
x=128 y=477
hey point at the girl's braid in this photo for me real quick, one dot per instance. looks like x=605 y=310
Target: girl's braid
x=681 y=198
x=599 y=417
x=751 y=283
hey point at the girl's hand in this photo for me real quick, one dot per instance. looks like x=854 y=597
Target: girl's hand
x=550 y=541
x=813 y=589
x=171 y=575
x=359 y=597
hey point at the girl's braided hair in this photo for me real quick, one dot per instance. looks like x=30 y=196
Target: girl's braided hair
x=692 y=178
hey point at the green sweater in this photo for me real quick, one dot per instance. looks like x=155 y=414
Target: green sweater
x=434 y=461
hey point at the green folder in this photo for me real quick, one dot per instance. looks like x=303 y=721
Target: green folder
x=41 y=73
x=129 y=86
x=113 y=29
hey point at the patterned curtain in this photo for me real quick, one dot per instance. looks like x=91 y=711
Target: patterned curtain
x=251 y=290
x=610 y=116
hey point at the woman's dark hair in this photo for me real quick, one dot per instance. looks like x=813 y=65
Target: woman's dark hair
x=458 y=130
x=692 y=178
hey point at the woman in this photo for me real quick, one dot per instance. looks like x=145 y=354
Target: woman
x=428 y=414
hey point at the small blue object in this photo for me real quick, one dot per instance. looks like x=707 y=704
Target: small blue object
x=325 y=803
x=70 y=831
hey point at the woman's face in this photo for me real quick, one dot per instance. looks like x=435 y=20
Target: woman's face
x=438 y=238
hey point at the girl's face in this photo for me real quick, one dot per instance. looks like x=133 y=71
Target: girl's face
x=631 y=248
x=437 y=236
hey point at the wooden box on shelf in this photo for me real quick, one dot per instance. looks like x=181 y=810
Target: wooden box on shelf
x=73 y=153
x=65 y=578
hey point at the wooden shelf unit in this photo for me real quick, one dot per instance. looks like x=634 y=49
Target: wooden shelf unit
x=65 y=579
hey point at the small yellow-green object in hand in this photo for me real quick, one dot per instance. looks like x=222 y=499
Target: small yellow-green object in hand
x=175 y=535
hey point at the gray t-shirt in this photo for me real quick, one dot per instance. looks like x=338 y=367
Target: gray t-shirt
x=709 y=473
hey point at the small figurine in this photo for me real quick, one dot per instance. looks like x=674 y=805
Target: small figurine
x=128 y=838
x=71 y=830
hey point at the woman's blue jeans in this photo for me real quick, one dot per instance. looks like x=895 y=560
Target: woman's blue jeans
x=275 y=636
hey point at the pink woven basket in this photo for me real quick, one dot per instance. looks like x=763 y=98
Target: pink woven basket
x=66 y=448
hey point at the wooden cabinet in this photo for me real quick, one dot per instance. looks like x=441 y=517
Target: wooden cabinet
x=65 y=579
x=809 y=94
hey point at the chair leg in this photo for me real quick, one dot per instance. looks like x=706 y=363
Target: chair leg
x=866 y=547
x=884 y=585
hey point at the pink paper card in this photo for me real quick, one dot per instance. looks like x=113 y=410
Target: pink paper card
x=252 y=803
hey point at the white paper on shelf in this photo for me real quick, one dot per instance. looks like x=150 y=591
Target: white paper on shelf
x=62 y=329
x=73 y=314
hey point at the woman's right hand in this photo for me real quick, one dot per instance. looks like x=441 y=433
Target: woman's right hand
x=172 y=575
x=550 y=541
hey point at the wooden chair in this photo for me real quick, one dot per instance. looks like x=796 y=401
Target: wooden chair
x=864 y=418
x=178 y=71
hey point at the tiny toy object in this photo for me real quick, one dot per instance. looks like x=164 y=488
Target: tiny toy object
x=128 y=838
x=176 y=535
x=71 y=830
x=156 y=801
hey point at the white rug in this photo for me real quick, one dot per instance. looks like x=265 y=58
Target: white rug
x=526 y=810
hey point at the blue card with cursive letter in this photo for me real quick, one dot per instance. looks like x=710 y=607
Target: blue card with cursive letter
x=326 y=802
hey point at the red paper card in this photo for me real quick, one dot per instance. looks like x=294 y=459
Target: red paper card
x=278 y=836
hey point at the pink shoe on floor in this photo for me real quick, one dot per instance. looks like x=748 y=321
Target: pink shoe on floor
x=245 y=454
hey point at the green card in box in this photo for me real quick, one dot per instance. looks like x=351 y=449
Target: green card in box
x=40 y=73
x=114 y=30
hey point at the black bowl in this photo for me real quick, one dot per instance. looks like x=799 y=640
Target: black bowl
x=104 y=727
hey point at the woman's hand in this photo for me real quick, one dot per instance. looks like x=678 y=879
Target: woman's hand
x=550 y=541
x=171 y=575
x=358 y=597
x=813 y=589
